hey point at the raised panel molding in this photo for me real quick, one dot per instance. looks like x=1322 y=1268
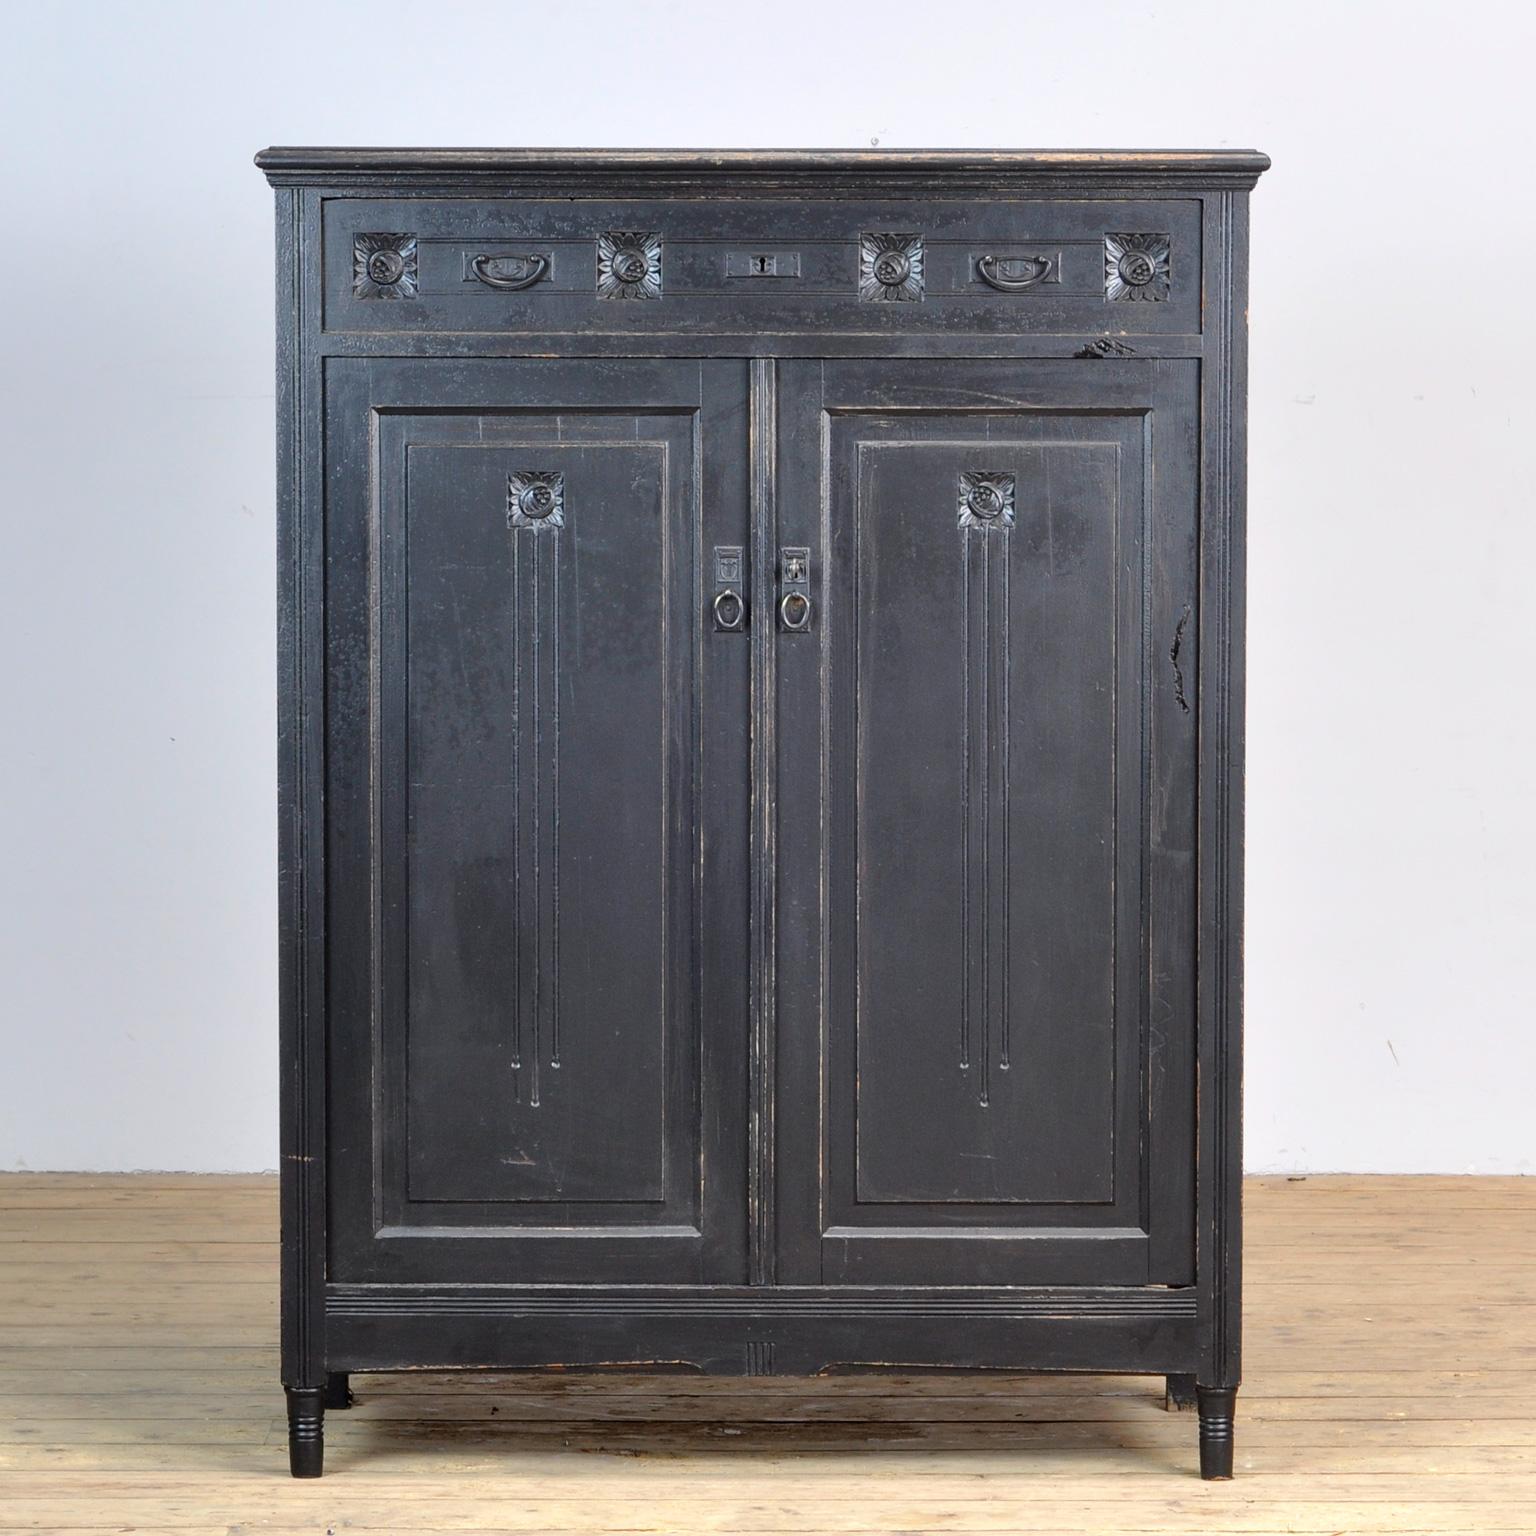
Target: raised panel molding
x=494 y=698
x=999 y=829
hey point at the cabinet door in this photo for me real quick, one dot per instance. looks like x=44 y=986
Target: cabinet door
x=538 y=767
x=985 y=838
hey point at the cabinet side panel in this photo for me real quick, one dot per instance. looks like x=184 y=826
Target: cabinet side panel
x=300 y=747
x=1222 y=540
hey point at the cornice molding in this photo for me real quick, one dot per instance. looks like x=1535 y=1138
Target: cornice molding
x=767 y=172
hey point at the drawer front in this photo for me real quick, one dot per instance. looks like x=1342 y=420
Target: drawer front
x=1103 y=267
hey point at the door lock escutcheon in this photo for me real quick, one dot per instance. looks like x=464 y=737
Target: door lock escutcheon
x=729 y=607
x=794 y=589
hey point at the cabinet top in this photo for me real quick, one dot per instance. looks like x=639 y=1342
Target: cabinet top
x=748 y=172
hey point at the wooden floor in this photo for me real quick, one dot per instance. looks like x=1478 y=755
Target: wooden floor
x=1391 y=1387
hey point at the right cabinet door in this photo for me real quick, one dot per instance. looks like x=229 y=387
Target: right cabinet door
x=984 y=762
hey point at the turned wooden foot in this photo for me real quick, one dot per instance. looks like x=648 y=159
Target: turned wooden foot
x=338 y=1390
x=1180 y=1394
x=1217 y=1407
x=306 y=1431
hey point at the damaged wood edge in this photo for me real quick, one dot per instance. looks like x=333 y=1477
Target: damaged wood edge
x=1174 y=651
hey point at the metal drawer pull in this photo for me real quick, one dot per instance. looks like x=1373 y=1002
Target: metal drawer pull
x=538 y=266
x=730 y=611
x=991 y=270
x=795 y=611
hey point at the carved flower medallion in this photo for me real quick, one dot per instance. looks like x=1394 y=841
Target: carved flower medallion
x=384 y=266
x=536 y=499
x=628 y=265
x=986 y=498
x=1136 y=266
x=890 y=268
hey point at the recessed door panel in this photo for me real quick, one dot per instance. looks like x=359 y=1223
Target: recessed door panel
x=985 y=762
x=986 y=691
x=543 y=910
x=537 y=899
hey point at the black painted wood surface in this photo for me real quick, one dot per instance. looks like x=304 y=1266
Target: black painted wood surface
x=760 y=751
x=986 y=1022
x=537 y=823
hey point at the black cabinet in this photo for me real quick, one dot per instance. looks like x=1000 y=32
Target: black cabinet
x=761 y=763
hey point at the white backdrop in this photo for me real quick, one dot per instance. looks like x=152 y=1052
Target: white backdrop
x=1392 y=1014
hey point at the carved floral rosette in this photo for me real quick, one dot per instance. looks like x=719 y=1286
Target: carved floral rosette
x=629 y=265
x=890 y=268
x=536 y=499
x=1136 y=267
x=986 y=498
x=384 y=266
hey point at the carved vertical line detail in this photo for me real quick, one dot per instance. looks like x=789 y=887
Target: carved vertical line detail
x=536 y=510
x=1004 y=1022
x=985 y=754
x=965 y=808
x=987 y=510
x=536 y=839
x=517 y=826
x=554 y=800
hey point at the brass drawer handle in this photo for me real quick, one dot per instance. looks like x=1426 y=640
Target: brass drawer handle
x=992 y=271
x=538 y=266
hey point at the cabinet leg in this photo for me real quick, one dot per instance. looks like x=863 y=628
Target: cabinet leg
x=338 y=1390
x=1180 y=1395
x=306 y=1431
x=1217 y=1408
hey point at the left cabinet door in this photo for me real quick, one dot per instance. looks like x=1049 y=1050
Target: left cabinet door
x=536 y=821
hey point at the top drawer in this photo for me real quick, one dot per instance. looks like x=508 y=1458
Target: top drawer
x=722 y=267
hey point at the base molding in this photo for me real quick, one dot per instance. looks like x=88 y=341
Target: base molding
x=792 y=1331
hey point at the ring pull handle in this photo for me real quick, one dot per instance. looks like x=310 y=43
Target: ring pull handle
x=991 y=271
x=730 y=611
x=538 y=266
x=795 y=612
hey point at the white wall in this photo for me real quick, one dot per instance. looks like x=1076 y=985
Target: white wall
x=1392 y=930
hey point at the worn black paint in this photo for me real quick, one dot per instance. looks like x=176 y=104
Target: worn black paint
x=536 y=740
x=760 y=999
x=934 y=1160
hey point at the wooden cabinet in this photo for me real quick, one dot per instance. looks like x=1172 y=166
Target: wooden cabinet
x=761 y=763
